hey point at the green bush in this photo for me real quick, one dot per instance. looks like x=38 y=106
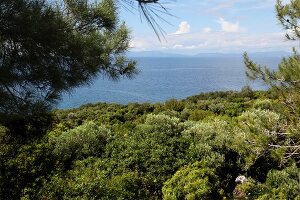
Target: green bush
x=197 y=115
x=192 y=182
x=175 y=105
x=280 y=184
x=218 y=108
x=88 y=139
x=264 y=104
x=88 y=181
x=155 y=149
x=257 y=129
x=284 y=184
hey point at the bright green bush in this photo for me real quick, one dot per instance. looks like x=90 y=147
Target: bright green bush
x=170 y=126
x=155 y=149
x=217 y=133
x=215 y=139
x=88 y=139
x=197 y=115
x=257 y=129
x=192 y=182
x=264 y=104
x=260 y=120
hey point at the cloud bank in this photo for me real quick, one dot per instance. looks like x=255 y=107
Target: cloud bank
x=215 y=41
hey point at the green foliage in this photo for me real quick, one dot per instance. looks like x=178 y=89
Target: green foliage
x=257 y=121
x=217 y=134
x=175 y=105
x=155 y=149
x=263 y=104
x=217 y=108
x=210 y=140
x=288 y=15
x=149 y=151
x=180 y=149
x=86 y=140
x=24 y=167
x=246 y=91
x=195 y=181
x=284 y=184
x=197 y=115
x=284 y=80
x=280 y=184
x=87 y=181
x=257 y=132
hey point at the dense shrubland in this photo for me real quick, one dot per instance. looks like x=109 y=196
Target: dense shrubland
x=181 y=149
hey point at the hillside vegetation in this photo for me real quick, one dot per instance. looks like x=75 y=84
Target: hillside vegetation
x=181 y=149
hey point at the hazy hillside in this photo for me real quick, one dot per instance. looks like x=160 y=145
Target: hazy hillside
x=208 y=55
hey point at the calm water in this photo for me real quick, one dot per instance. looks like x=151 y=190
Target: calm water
x=164 y=78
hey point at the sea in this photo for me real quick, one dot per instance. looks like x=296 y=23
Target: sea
x=166 y=78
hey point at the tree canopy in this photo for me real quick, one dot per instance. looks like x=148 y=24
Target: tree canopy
x=51 y=47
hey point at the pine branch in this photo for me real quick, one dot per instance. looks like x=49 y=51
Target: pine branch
x=152 y=11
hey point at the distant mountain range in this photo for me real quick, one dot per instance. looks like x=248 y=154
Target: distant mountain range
x=160 y=54
x=271 y=54
x=154 y=54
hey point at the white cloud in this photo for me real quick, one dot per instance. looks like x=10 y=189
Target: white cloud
x=229 y=26
x=215 y=41
x=207 y=30
x=189 y=47
x=184 y=27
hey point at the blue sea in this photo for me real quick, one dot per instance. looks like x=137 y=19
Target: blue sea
x=161 y=79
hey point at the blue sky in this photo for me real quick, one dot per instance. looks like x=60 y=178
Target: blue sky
x=228 y=26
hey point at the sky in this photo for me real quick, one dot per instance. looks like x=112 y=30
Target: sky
x=209 y=26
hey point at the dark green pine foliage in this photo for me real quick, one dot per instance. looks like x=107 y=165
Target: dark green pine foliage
x=288 y=74
x=47 y=49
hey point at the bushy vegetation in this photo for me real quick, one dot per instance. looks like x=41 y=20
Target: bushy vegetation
x=181 y=149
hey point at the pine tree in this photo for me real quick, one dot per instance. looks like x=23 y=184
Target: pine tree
x=288 y=74
x=46 y=50
x=50 y=47
x=285 y=80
